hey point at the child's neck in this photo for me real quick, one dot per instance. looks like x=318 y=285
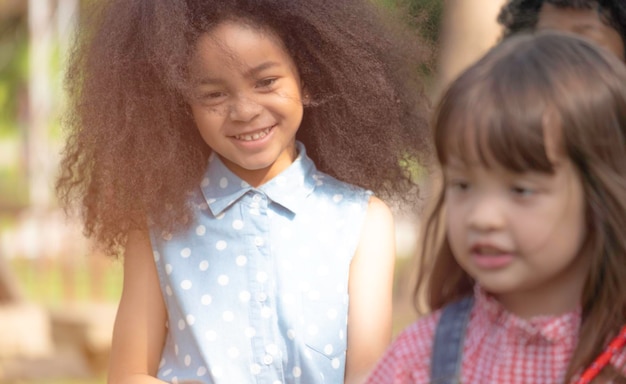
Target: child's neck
x=527 y=305
x=259 y=176
x=555 y=298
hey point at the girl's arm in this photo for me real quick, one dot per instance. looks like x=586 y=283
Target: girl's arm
x=139 y=331
x=370 y=288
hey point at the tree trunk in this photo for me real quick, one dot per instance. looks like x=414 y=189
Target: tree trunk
x=40 y=104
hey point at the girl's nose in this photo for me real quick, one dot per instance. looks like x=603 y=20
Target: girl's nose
x=244 y=109
x=487 y=214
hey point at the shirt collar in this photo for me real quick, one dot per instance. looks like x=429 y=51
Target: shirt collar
x=554 y=329
x=221 y=187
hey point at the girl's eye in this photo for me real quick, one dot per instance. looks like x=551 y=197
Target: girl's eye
x=213 y=95
x=458 y=185
x=266 y=83
x=522 y=191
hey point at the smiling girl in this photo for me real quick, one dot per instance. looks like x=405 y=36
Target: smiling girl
x=207 y=143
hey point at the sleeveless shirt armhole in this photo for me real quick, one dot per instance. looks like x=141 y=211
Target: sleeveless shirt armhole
x=363 y=198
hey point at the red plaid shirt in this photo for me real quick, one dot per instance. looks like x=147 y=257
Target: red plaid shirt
x=499 y=348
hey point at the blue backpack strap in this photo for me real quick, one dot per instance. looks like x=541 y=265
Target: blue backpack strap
x=447 y=353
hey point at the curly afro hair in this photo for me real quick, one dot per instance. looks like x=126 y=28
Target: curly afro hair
x=520 y=15
x=133 y=149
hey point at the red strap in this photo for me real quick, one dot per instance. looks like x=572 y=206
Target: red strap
x=614 y=346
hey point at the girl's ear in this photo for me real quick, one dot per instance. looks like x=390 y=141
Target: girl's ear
x=306 y=96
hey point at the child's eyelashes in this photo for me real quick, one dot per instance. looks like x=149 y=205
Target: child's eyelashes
x=211 y=97
x=217 y=96
x=463 y=185
x=523 y=191
x=267 y=82
x=457 y=185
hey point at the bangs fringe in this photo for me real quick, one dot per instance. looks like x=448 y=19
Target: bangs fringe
x=498 y=120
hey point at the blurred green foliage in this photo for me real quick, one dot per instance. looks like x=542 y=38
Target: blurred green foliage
x=13 y=189
x=48 y=281
x=424 y=15
x=13 y=71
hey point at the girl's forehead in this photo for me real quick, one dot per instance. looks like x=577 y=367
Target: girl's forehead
x=241 y=46
x=230 y=29
x=469 y=147
x=234 y=36
x=587 y=23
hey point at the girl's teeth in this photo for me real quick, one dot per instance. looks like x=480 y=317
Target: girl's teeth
x=254 y=136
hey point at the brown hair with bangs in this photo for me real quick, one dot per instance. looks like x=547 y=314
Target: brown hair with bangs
x=499 y=108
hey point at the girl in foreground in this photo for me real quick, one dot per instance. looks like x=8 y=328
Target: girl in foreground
x=527 y=280
x=207 y=141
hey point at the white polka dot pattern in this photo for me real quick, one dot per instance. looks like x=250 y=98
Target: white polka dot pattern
x=257 y=288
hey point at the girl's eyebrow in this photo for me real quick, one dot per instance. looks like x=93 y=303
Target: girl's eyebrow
x=250 y=73
x=455 y=163
x=209 y=81
x=584 y=27
x=455 y=168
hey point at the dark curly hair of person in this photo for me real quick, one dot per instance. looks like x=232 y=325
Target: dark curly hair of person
x=520 y=15
x=133 y=151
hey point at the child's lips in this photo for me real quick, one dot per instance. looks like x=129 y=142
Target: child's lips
x=254 y=135
x=487 y=249
x=488 y=256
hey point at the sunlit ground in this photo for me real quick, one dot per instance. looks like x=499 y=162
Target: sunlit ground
x=68 y=291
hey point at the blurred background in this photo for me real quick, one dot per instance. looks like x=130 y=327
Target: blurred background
x=57 y=295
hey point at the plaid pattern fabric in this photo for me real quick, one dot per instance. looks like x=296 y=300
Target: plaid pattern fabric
x=499 y=348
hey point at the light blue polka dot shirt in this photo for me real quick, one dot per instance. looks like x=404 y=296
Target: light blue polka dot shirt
x=257 y=288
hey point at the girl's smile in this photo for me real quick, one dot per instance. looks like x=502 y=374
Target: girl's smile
x=254 y=135
x=247 y=99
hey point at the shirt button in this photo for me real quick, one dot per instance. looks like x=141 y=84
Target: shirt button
x=267 y=359
x=272 y=349
x=256 y=198
x=258 y=241
x=261 y=296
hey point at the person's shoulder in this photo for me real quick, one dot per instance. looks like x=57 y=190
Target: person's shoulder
x=324 y=179
x=379 y=211
x=417 y=339
x=326 y=184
